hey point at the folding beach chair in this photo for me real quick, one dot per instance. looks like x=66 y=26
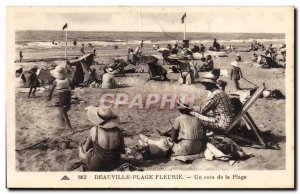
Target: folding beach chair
x=243 y=114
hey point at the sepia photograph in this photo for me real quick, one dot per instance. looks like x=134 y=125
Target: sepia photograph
x=170 y=97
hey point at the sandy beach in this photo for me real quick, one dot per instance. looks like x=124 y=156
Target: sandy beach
x=36 y=121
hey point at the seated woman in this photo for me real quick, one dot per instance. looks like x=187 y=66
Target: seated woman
x=188 y=137
x=105 y=144
x=108 y=79
x=208 y=64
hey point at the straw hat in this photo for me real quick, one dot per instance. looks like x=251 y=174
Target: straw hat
x=234 y=63
x=184 y=102
x=209 y=78
x=103 y=117
x=59 y=72
x=110 y=70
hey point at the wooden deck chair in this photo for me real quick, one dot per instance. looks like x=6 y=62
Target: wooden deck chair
x=243 y=114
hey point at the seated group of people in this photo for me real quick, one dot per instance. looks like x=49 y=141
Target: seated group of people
x=187 y=135
x=256 y=46
x=134 y=55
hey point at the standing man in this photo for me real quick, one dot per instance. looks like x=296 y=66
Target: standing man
x=21 y=56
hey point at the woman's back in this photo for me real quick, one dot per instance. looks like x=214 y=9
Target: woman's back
x=108 y=138
x=108 y=81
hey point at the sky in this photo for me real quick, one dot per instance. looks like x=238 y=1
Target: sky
x=157 y=19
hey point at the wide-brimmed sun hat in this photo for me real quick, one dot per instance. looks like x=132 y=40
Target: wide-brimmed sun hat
x=209 y=78
x=235 y=63
x=103 y=117
x=59 y=72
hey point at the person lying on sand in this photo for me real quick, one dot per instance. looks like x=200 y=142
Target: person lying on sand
x=218 y=102
x=61 y=88
x=105 y=144
x=187 y=136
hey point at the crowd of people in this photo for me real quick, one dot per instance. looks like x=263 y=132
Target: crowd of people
x=187 y=135
x=270 y=56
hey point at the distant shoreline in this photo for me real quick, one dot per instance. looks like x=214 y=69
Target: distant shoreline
x=149 y=32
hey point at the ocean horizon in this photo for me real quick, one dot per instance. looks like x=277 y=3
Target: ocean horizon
x=26 y=36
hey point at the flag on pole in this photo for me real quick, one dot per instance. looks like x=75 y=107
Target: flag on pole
x=65 y=26
x=183 y=18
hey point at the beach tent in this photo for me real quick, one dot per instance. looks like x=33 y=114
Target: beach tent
x=83 y=71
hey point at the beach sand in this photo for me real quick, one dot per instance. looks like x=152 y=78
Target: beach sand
x=36 y=121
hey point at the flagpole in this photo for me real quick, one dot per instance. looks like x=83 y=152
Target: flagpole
x=184 y=29
x=66 y=43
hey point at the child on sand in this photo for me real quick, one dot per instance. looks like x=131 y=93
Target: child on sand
x=105 y=144
x=33 y=82
x=61 y=88
x=236 y=74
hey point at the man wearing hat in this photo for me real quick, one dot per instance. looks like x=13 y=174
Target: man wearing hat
x=236 y=74
x=61 y=88
x=105 y=144
x=218 y=102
